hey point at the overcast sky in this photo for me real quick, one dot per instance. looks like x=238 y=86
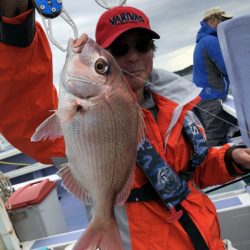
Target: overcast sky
x=176 y=21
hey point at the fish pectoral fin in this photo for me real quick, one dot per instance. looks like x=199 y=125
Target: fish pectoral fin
x=78 y=105
x=72 y=185
x=124 y=193
x=49 y=129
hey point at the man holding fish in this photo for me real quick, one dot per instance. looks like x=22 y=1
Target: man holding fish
x=127 y=129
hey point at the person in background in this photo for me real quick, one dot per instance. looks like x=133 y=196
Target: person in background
x=28 y=95
x=209 y=73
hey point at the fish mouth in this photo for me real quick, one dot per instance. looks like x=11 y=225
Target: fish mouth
x=82 y=89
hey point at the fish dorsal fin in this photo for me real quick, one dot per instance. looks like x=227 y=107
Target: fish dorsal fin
x=49 y=129
x=72 y=185
x=124 y=193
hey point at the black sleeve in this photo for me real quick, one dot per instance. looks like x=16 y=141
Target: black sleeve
x=18 y=35
x=231 y=164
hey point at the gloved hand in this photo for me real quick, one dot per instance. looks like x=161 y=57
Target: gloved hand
x=242 y=156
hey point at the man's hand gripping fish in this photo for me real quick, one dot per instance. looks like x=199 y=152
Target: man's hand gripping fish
x=102 y=123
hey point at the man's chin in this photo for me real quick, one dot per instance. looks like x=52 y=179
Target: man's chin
x=136 y=77
x=136 y=85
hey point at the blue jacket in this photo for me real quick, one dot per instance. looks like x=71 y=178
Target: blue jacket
x=209 y=70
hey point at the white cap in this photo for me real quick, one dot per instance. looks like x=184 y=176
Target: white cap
x=216 y=10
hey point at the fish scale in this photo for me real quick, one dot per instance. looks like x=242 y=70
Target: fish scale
x=88 y=134
x=101 y=122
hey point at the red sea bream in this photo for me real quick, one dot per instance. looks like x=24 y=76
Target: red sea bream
x=102 y=123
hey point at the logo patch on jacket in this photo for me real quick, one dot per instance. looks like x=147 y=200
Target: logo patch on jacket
x=126 y=18
x=168 y=181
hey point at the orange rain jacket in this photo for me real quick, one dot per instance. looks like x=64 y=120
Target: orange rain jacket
x=27 y=96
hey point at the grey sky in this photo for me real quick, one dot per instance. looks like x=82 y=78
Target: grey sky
x=177 y=22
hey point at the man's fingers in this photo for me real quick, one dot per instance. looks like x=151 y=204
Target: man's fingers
x=81 y=40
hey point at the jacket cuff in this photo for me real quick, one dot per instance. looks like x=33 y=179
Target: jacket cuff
x=18 y=31
x=233 y=168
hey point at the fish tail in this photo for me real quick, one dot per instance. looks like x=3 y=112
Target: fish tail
x=103 y=236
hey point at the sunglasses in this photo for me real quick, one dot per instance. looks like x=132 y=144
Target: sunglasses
x=121 y=49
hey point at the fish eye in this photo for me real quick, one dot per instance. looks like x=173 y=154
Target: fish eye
x=101 y=66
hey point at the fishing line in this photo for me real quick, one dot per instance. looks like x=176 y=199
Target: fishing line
x=149 y=84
